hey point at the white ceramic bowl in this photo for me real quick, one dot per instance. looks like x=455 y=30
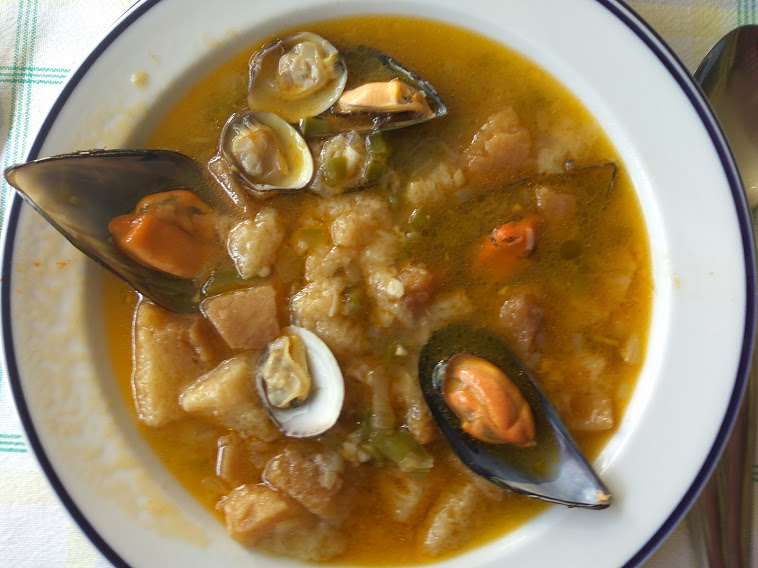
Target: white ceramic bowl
x=703 y=309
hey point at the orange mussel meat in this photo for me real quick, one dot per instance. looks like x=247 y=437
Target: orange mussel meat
x=488 y=404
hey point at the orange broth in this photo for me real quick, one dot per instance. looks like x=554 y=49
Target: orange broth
x=475 y=76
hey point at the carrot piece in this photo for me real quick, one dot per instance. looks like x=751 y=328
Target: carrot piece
x=498 y=254
x=171 y=231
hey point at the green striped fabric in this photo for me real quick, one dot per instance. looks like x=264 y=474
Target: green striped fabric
x=12 y=443
x=745 y=12
x=41 y=42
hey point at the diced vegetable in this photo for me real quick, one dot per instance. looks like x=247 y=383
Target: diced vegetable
x=374 y=170
x=571 y=249
x=395 y=200
x=172 y=231
x=307 y=237
x=411 y=238
x=402 y=449
x=311 y=126
x=353 y=298
x=289 y=265
x=377 y=144
x=419 y=218
x=335 y=170
x=223 y=281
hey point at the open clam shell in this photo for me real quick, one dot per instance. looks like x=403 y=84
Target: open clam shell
x=265 y=153
x=553 y=469
x=323 y=405
x=80 y=193
x=297 y=76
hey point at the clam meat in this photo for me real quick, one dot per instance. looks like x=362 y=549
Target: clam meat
x=265 y=153
x=284 y=372
x=300 y=383
x=497 y=420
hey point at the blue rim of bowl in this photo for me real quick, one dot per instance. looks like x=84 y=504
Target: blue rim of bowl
x=668 y=59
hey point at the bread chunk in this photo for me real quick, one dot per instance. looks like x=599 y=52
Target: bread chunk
x=227 y=395
x=313 y=479
x=252 y=512
x=452 y=518
x=170 y=351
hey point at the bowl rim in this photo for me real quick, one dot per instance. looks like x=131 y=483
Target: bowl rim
x=666 y=57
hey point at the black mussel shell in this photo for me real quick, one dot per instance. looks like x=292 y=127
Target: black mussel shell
x=80 y=193
x=553 y=469
x=367 y=64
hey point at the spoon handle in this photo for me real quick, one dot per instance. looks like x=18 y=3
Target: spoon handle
x=739 y=459
x=720 y=520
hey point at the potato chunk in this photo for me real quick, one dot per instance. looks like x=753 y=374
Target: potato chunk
x=227 y=395
x=403 y=494
x=252 y=512
x=240 y=460
x=452 y=518
x=246 y=319
x=502 y=143
x=170 y=351
x=313 y=479
x=522 y=320
x=258 y=515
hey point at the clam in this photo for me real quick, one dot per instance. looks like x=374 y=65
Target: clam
x=265 y=153
x=542 y=461
x=297 y=76
x=300 y=383
x=80 y=193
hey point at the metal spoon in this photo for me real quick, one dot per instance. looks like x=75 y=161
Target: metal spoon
x=720 y=519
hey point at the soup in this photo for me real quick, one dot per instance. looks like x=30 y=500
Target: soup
x=373 y=265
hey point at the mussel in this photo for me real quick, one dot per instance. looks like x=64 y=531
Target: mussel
x=547 y=464
x=80 y=193
x=381 y=94
x=300 y=383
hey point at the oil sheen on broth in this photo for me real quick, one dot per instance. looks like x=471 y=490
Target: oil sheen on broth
x=576 y=311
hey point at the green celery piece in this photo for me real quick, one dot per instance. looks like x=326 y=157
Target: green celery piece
x=419 y=218
x=374 y=170
x=377 y=144
x=335 y=170
x=223 y=281
x=402 y=449
x=311 y=126
x=353 y=300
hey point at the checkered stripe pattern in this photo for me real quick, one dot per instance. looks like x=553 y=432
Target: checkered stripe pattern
x=41 y=42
